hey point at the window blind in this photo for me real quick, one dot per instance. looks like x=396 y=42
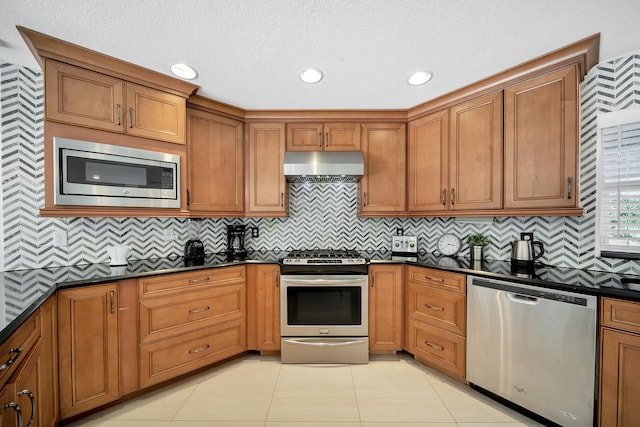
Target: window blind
x=619 y=186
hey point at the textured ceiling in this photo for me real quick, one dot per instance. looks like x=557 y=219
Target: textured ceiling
x=248 y=53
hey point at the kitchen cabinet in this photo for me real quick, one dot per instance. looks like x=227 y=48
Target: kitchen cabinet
x=619 y=361
x=87 y=98
x=455 y=158
x=29 y=373
x=88 y=351
x=339 y=136
x=541 y=141
x=435 y=308
x=383 y=186
x=267 y=186
x=386 y=308
x=215 y=153
x=264 y=307
x=190 y=320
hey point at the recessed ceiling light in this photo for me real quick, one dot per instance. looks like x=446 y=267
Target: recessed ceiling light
x=184 y=71
x=311 y=75
x=420 y=78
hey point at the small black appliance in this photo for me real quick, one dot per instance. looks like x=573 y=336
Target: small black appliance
x=194 y=248
x=235 y=241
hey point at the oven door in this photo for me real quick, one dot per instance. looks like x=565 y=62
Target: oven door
x=324 y=306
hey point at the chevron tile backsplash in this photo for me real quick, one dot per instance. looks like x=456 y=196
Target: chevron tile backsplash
x=321 y=215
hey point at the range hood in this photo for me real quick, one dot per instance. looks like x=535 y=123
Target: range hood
x=323 y=166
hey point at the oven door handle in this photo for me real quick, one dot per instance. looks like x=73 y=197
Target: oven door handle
x=322 y=282
x=329 y=342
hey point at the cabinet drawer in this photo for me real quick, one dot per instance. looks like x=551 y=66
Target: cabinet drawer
x=442 y=309
x=178 y=314
x=445 y=280
x=437 y=347
x=165 y=359
x=620 y=314
x=168 y=284
x=17 y=346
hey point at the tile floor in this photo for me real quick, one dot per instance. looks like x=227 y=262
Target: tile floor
x=253 y=391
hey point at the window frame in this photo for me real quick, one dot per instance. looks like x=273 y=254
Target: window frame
x=608 y=120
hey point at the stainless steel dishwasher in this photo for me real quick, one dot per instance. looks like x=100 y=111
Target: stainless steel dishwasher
x=533 y=346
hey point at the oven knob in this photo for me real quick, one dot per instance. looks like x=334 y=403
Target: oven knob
x=411 y=245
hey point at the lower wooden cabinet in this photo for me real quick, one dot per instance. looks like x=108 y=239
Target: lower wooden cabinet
x=190 y=320
x=385 y=307
x=435 y=331
x=180 y=354
x=88 y=347
x=29 y=395
x=619 y=361
x=264 y=307
x=436 y=347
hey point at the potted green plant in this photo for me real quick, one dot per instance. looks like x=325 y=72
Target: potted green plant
x=477 y=242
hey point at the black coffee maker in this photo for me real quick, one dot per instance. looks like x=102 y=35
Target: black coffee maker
x=235 y=242
x=194 y=248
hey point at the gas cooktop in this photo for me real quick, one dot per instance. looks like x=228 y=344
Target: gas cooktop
x=324 y=256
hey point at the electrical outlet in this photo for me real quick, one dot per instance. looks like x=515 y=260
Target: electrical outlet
x=60 y=238
x=255 y=232
x=169 y=235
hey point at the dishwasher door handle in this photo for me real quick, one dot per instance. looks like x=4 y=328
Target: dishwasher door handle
x=522 y=299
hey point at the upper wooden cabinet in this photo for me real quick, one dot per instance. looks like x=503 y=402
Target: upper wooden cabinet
x=383 y=186
x=455 y=158
x=541 y=141
x=475 y=156
x=215 y=153
x=86 y=98
x=323 y=136
x=267 y=186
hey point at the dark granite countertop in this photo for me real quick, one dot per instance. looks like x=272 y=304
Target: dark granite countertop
x=25 y=290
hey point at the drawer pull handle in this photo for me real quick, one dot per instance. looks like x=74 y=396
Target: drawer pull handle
x=112 y=296
x=433 y=307
x=118 y=114
x=433 y=346
x=16 y=353
x=33 y=405
x=198 y=280
x=199 y=310
x=130 y=117
x=18 y=410
x=198 y=350
x=435 y=279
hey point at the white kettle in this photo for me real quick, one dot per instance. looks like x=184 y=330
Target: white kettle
x=118 y=254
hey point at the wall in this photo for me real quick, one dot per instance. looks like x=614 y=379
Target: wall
x=321 y=215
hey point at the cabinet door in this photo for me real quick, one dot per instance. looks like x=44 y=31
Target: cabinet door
x=268 y=306
x=541 y=141
x=266 y=173
x=215 y=162
x=88 y=347
x=28 y=388
x=385 y=307
x=428 y=163
x=48 y=388
x=155 y=114
x=619 y=379
x=83 y=98
x=342 y=136
x=304 y=136
x=384 y=182
x=475 y=180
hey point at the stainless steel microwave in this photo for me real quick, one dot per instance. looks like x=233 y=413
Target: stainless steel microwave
x=95 y=174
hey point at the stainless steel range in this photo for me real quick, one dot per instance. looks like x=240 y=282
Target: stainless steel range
x=324 y=307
